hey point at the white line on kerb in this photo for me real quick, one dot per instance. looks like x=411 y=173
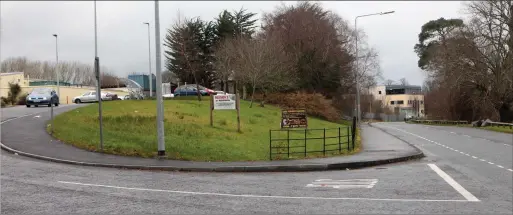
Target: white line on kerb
x=260 y=196
x=454 y=184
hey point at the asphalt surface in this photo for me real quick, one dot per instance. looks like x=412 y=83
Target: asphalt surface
x=445 y=182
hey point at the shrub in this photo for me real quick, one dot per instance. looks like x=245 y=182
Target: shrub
x=315 y=104
x=14 y=92
x=22 y=99
x=3 y=101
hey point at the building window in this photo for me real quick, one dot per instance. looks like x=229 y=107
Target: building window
x=409 y=102
x=421 y=102
x=392 y=102
x=379 y=92
x=400 y=102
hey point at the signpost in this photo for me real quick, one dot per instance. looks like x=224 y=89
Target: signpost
x=294 y=119
x=225 y=102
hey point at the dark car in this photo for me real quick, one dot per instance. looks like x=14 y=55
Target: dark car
x=42 y=96
x=190 y=90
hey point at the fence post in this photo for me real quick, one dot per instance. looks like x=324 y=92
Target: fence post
x=353 y=132
x=305 y=142
x=348 y=132
x=324 y=143
x=270 y=145
x=339 y=148
x=288 y=143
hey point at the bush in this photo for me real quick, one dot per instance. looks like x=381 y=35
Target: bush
x=14 y=92
x=22 y=99
x=315 y=104
x=3 y=101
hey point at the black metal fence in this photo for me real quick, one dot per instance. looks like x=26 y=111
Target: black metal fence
x=285 y=143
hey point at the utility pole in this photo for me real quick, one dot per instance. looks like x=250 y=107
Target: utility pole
x=357 y=105
x=98 y=81
x=160 y=108
x=149 y=59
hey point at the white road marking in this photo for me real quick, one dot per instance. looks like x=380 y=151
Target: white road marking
x=500 y=166
x=38 y=116
x=454 y=184
x=349 y=183
x=461 y=152
x=466 y=135
x=511 y=170
x=452 y=132
x=258 y=196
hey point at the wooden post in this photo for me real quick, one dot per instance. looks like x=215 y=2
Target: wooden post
x=211 y=110
x=237 y=106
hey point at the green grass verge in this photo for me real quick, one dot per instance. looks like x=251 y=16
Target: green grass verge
x=490 y=128
x=130 y=129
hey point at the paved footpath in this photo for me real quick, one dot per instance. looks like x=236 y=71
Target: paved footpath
x=27 y=136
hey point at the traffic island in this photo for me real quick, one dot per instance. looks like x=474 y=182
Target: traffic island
x=39 y=144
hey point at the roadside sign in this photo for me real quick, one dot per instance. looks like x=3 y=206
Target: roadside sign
x=294 y=119
x=225 y=102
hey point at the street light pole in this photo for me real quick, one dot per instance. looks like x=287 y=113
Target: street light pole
x=98 y=81
x=357 y=106
x=160 y=108
x=57 y=63
x=149 y=59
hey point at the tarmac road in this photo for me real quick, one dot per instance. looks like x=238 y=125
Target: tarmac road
x=445 y=182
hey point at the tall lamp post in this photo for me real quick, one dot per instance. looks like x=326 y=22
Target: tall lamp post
x=56 y=63
x=149 y=58
x=160 y=108
x=358 y=115
x=98 y=81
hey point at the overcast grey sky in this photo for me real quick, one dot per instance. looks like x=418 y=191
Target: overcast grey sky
x=27 y=28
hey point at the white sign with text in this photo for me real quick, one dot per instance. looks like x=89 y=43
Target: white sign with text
x=225 y=102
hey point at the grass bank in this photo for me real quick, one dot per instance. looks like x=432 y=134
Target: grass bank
x=130 y=129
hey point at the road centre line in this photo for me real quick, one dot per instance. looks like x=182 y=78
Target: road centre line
x=453 y=183
x=257 y=196
x=437 y=143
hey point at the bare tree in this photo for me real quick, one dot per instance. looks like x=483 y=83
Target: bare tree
x=403 y=81
x=261 y=63
x=389 y=82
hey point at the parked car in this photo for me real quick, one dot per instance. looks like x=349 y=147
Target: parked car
x=190 y=90
x=90 y=97
x=42 y=96
x=111 y=96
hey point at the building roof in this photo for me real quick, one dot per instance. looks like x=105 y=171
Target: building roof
x=397 y=86
x=10 y=73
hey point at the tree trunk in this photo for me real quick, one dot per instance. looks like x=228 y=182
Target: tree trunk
x=263 y=99
x=252 y=96
x=244 y=92
x=197 y=88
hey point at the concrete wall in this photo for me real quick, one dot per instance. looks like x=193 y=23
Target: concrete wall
x=15 y=77
x=66 y=93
